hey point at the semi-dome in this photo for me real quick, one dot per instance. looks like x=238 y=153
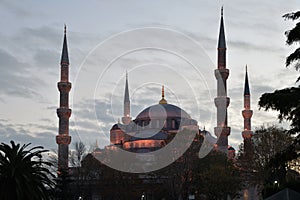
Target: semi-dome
x=159 y=111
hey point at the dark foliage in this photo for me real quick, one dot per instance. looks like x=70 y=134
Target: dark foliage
x=287 y=100
x=293 y=36
x=23 y=173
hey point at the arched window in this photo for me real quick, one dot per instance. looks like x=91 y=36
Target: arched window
x=173 y=124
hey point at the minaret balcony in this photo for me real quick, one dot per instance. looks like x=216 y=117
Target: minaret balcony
x=64 y=86
x=222 y=101
x=247 y=134
x=247 y=113
x=63 y=112
x=221 y=74
x=63 y=139
x=222 y=131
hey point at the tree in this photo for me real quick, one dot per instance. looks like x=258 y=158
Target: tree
x=293 y=36
x=78 y=154
x=75 y=159
x=268 y=164
x=287 y=101
x=270 y=142
x=23 y=173
x=217 y=177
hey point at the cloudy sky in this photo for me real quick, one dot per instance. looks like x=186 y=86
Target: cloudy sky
x=171 y=43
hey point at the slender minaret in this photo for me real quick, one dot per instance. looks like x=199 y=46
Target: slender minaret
x=222 y=131
x=63 y=112
x=247 y=114
x=126 y=119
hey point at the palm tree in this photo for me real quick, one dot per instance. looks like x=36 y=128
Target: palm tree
x=23 y=173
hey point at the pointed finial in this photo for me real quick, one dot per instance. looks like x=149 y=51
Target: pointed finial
x=222 y=11
x=65 y=29
x=163 y=101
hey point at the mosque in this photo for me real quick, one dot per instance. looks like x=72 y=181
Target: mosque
x=160 y=121
x=155 y=126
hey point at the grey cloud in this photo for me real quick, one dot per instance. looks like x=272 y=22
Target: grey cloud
x=15 y=78
x=48 y=59
x=22 y=134
x=253 y=47
x=15 y=8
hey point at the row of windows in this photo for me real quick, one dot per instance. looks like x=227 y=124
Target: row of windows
x=171 y=124
x=140 y=144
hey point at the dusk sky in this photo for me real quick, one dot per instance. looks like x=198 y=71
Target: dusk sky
x=171 y=43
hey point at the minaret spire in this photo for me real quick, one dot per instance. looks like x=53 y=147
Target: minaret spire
x=126 y=96
x=64 y=55
x=63 y=112
x=222 y=131
x=222 y=44
x=246 y=87
x=247 y=114
x=126 y=118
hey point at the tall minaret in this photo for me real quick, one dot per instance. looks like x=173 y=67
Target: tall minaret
x=63 y=112
x=247 y=114
x=222 y=131
x=126 y=119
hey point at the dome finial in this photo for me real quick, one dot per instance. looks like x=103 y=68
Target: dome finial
x=163 y=101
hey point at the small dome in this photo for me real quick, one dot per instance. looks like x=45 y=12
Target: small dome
x=160 y=111
x=230 y=148
x=115 y=127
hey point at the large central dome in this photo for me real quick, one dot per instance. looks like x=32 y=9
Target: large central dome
x=159 y=111
x=162 y=110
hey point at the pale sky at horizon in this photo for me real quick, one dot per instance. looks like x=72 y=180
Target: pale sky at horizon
x=100 y=31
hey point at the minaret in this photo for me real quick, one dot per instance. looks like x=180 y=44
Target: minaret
x=126 y=119
x=63 y=112
x=247 y=114
x=222 y=131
